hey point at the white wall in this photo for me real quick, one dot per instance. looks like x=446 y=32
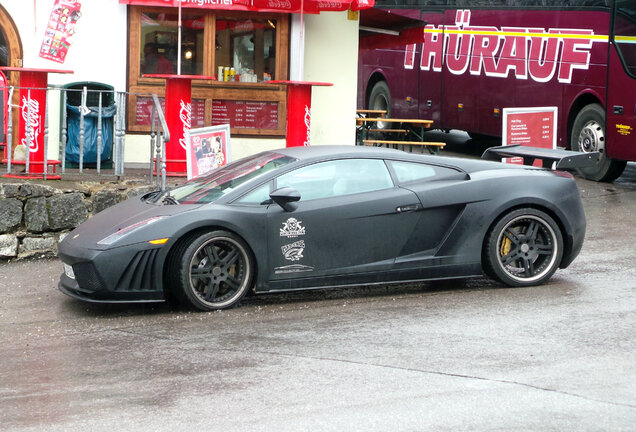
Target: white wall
x=331 y=55
x=98 y=51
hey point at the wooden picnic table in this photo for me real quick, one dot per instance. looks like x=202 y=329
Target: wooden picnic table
x=407 y=127
x=380 y=113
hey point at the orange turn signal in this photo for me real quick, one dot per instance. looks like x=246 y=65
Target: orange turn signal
x=159 y=241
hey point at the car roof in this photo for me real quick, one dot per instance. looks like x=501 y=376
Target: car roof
x=319 y=152
x=328 y=151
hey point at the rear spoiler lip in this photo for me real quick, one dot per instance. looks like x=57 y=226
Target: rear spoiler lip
x=565 y=159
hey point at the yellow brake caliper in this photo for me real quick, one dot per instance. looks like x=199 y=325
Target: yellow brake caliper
x=505 y=247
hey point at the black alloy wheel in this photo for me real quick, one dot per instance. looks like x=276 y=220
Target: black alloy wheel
x=523 y=248
x=214 y=270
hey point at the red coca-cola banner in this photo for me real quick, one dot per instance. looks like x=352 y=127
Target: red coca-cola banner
x=288 y=6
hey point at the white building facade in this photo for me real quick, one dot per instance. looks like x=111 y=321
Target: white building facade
x=114 y=44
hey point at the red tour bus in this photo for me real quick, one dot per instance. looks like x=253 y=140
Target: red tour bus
x=476 y=57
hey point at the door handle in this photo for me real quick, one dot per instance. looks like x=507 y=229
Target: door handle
x=407 y=208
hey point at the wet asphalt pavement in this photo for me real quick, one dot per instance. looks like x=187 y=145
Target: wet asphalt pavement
x=443 y=356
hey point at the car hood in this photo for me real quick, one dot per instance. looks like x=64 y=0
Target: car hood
x=120 y=216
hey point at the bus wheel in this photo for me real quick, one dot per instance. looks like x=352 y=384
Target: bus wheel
x=588 y=135
x=380 y=99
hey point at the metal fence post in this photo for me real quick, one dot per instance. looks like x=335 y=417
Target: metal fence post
x=45 y=167
x=28 y=132
x=123 y=135
x=99 y=133
x=153 y=138
x=82 y=131
x=9 y=130
x=64 y=130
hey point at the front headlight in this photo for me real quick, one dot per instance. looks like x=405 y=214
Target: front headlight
x=129 y=229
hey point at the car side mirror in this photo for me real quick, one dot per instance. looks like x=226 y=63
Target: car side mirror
x=286 y=197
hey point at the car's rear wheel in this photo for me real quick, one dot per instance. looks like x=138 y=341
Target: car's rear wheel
x=212 y=270
x=523 y=248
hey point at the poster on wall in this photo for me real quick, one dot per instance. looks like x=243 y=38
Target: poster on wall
x=534 y=127
x=209 y=148
x=60 y=30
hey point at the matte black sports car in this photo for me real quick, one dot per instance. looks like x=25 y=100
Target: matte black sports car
x=327 y=216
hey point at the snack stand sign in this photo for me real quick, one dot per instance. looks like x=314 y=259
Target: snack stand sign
x=60 y=30
x=208 y=149
x=534 y=127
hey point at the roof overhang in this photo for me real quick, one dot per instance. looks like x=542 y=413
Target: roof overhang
x=284 y=6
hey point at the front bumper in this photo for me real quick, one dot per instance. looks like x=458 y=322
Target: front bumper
x=126 y=274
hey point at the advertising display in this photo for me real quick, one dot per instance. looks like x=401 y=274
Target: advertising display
x=208 y=148
x=60 y=30
x=535 y=127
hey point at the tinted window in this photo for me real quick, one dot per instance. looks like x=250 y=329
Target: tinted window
x=223 y=180
x=337 y=178
x=413 y=171
x=625 y=33
x=258 y=196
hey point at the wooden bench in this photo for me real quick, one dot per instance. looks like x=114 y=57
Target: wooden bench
x=364 y=112
x=415 y=122
x=431 y=146
x=389 y=131
x=50 y=168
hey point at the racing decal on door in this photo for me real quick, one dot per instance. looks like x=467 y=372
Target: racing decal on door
x=292 y=228
x=293 y=251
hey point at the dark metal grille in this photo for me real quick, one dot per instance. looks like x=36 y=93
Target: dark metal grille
x=87 y=278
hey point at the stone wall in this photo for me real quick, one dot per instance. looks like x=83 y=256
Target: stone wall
x=35 y=217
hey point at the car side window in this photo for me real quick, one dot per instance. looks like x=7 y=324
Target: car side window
x=258 y=196
x=413 y=171
x=337 y=178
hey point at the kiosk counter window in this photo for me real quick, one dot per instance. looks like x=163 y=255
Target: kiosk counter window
x=241 y=50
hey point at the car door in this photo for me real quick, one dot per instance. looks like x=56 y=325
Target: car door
x=348 y=227
x=439 y=189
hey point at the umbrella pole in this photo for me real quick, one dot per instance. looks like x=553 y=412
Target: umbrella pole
x=301 y=57
x=179 y=42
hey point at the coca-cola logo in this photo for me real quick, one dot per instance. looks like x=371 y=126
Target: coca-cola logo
x=31 y=117
x=329 y=5
x=185 y=114
x=307 y=124
x=279 y=4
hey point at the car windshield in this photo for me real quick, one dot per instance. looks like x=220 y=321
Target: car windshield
x=221 y=181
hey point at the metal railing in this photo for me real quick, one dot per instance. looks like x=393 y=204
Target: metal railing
x=107 y=128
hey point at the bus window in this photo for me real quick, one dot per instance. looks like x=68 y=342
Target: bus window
x=625 y=33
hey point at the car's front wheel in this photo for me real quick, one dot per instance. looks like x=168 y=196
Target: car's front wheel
x=523 y=248
x=213 y=270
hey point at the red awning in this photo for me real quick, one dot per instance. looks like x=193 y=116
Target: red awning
x=389 y=29
x=287 y=6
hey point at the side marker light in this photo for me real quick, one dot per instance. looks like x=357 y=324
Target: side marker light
x=159 y=241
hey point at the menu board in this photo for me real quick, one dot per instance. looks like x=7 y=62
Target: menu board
x=143 y=114
x=60 y=30
x=535 y=127
x=245 y=114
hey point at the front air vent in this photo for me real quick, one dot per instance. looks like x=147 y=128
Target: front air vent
x=139 y=274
